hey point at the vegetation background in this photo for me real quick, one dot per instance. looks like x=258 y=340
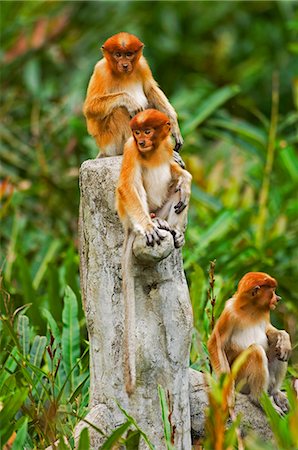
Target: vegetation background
x=220 y=63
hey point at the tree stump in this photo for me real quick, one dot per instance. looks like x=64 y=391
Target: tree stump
x=163 y=317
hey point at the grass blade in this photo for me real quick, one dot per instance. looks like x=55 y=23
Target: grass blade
x=21 y=436
x=115 y=436
x=70 y=334
x=23 y=333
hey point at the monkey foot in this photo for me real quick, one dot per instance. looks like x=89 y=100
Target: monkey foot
x=153 y=254
x=178 y=237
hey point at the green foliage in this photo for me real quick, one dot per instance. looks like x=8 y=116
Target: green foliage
x=284 y=428
x=40 y=398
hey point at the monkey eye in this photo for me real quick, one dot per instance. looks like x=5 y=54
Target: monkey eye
x=118 y=54
x=129 y=54
x=147 y=131
x=137 y=132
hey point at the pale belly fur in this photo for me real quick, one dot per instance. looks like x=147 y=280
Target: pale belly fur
x=137 y=92
x=156 y=183
x=255 y=334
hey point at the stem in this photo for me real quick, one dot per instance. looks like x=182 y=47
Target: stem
x=210 y=292
x=263 y=199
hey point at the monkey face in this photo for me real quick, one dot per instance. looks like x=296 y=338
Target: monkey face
x=266 y=298
x=122 y=50
x=144 y=139
x=124 y=61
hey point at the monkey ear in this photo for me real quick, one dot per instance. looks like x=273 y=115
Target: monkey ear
x=141 y=47
x=102 y=49
x=255 y=290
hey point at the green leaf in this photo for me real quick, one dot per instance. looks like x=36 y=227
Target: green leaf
x=70 y=334
x=25 y=277
x=197 y=293
x=20 y=439
x=52 y=324
x=208 y=106
x=115 y=436
x=133 y=440
x=37 y=350
x=132 y=420
x=205 y=199
x=23 y=333
x=84 y=441
x=165 y=417
x=32 y=76
x=11 y=406
x=9 y=367
x=243 y=129
x=289 y=159
x=78 y=389
x=51 y=252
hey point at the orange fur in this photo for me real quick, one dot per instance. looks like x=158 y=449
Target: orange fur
x=245 y=323
x=122 y=85
x=139 y=167
x=152 y=195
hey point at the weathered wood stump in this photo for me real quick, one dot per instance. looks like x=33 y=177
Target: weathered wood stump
x=163 y=317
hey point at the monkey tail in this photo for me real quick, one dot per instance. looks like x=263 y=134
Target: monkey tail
x=129 y=314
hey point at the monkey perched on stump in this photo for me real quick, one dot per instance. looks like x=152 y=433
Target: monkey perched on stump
x=151 y=183
x=121 y=86
x=245 y=324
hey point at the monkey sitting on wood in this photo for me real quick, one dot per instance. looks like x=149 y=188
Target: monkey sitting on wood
x=122 y=85
x=150 y=183
x=245 y=324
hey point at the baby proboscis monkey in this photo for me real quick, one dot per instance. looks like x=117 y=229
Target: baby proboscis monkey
x=151 y=183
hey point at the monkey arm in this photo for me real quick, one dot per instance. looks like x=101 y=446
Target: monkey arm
x=217 y=343
x=183 y=185
x=157 y=99
x=131 y=195
x=279 y=340
x=101 y=106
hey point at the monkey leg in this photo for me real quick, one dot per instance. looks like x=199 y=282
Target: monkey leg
x=278 y=354
x=112 y=133
x=254 y=374
x=277 y=373
x=178 y=159
x=175 y=213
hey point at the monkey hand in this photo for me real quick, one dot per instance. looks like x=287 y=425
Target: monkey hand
x=132 y=106
x=153 y=235
x=184 y=196
x=283 y=346
x=280 y=399
x=178 y=159
x=161 y=224
x=178 y=237
x=178 y=140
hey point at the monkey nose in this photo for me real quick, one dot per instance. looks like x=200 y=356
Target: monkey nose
x=142 y=143
x=125 y=66
x=278 y=298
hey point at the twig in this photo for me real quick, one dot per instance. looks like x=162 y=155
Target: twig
x=210 y=292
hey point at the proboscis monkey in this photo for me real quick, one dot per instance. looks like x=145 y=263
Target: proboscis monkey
x=151 y=183
x=121 y=86
x=245 y=324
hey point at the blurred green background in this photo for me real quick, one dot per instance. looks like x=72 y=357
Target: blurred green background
x=215 y=61
x=221 y=64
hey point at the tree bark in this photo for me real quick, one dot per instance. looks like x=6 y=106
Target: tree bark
x=163 y=317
